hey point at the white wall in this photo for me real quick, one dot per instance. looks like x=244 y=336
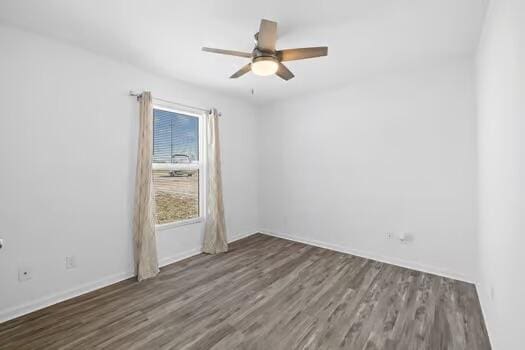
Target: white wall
x=501 y=142
x=395 y=153
x=68 y=135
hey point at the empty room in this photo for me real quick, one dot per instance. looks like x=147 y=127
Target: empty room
x=267 y=175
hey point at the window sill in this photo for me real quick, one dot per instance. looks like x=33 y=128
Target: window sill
x=170 y=225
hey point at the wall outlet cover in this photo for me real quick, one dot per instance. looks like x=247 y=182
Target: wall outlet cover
x=70 y=262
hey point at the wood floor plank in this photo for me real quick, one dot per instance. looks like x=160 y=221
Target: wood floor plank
x=265 y=293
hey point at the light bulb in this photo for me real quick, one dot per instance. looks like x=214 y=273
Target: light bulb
x=264 y=66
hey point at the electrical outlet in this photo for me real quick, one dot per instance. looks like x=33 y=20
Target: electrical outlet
x=70 y=262
x=24 y=274
x=389 y=235
x=492 y=293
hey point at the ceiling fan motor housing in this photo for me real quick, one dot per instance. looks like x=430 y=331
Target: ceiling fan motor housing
x=260 y=53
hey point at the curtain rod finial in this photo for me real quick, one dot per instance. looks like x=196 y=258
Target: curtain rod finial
x=216 y=112
x=135 y=94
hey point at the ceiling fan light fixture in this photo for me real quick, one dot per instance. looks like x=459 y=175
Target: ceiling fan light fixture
x=265 y=66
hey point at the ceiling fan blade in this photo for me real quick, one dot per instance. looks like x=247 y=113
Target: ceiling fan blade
x=301 y=54
x=242 y=71
x=228 y=52
x=284 y=72
x=267 y=35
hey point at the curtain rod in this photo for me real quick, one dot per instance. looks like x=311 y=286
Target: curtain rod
x=138 y=95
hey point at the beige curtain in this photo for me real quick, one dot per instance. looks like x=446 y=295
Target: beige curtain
x=215 y=228
x=144 y=220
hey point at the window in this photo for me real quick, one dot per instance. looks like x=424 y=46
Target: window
x=177 y=157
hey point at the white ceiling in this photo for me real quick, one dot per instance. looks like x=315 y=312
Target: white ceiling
x=165 y=36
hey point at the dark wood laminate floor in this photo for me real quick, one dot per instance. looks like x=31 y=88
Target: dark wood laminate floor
x=266 y=293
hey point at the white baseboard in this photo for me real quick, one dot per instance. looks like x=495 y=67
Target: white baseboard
x=52 y=299
x=369 y=255
x=56 y=298
x=178 y=257
x=483 y=302
x=191 y=252
x=241 y=236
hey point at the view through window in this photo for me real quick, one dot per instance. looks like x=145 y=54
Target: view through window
x=176 y=166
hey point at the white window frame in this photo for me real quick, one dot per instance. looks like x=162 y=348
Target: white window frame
x=202 y=168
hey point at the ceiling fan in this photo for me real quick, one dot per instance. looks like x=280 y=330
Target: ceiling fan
x=265 y=59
